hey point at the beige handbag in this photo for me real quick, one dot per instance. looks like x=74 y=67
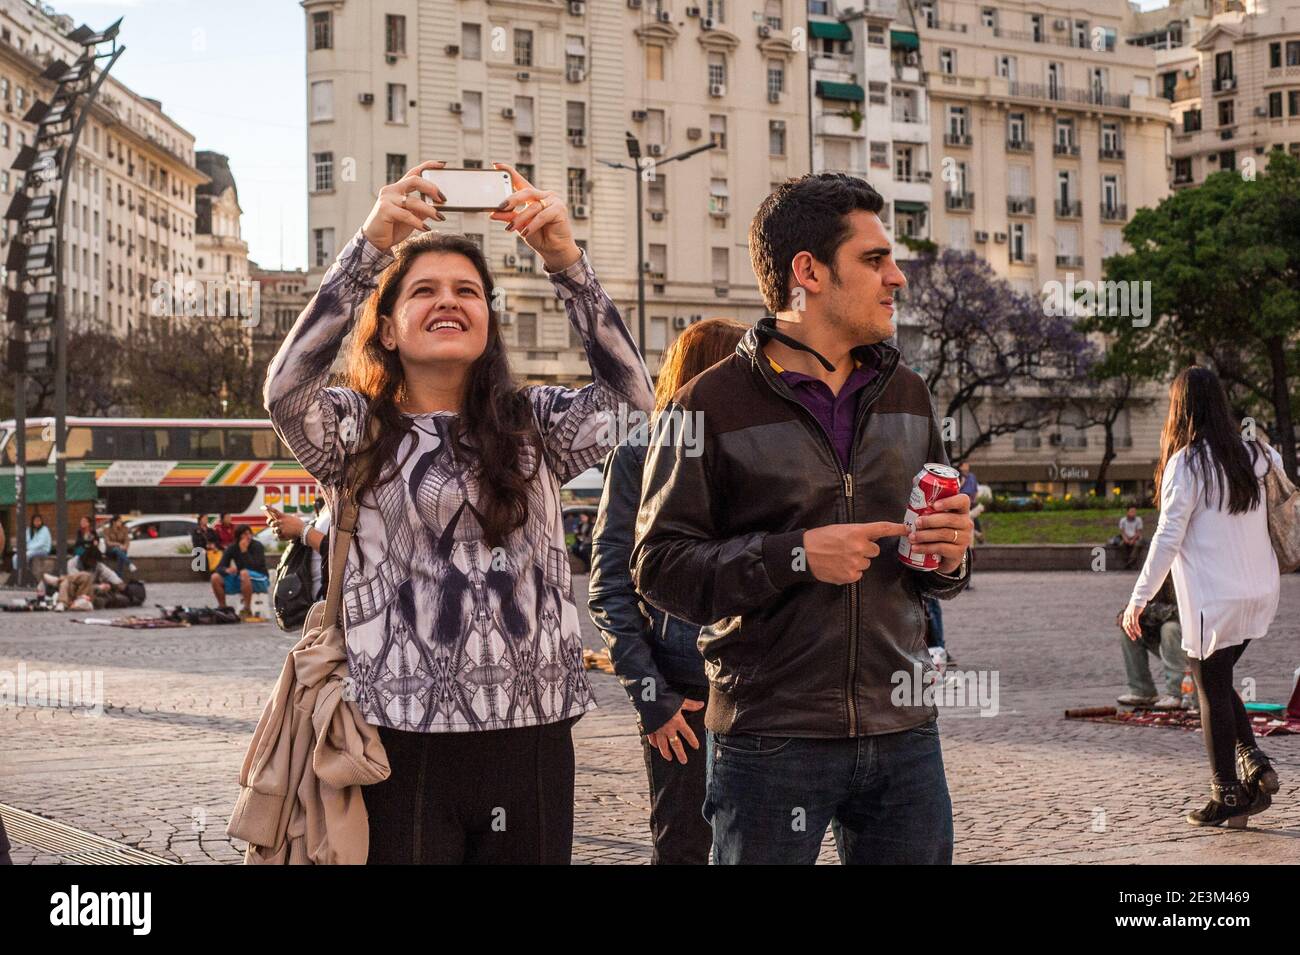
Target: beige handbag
x=1283 y=518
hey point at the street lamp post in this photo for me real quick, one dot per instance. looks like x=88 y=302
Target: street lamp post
x=638 y=169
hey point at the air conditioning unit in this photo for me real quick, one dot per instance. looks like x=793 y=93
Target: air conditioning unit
x=654 y=149
x=577 y=140
x=764 y=31
x=575 y=75
x=366 y=99
x=522 y=76
x=657 y=216
x=680 y=322
x=577 y=8
x=1190 y=74
x=999 y=237
x=511 y=261
x=1059 y=24
x=647 y=265
x=773 y=96
x=451 y=49
x=1261 y=111
x=721 y=291
x=525 y=141
x=508 y=113
x=665 y=16
x=455 y=107
x=717 y=89
x=708 y=23
x=579 y=212
x=692 y=11
x=981 y=236
x=390 y=59
x=697 y=317
x=639 y=115
x=694 y=132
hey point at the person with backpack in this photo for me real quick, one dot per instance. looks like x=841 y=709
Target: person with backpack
x=1212 y=537
x=463 y=644
x=303 y=573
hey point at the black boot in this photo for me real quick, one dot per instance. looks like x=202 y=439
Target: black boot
x=1255 y=769
x=1230 y=804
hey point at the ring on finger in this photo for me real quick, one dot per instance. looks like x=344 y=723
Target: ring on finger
x=954 y=537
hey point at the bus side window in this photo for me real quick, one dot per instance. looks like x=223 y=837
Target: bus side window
x=178 y=443
x=239 y=443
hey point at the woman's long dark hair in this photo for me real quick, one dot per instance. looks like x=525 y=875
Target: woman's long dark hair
x=1199 y=420
x=495 y=431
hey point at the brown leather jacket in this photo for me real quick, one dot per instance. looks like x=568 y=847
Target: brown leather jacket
x=722 y=514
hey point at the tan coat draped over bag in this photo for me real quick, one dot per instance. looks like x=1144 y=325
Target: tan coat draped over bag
x=300 y=785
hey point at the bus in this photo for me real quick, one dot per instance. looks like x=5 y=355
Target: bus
x=180 y=466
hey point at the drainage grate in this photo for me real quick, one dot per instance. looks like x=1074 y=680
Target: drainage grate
x=74 y=846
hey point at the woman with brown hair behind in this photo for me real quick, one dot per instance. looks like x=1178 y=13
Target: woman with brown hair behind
x=462 y=635
x=655 y=656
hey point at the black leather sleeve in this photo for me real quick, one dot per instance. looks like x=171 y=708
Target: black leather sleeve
x=612 y=600
x=681 y=562
x=932 y=583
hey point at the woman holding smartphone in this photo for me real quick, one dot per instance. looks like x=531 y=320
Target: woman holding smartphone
x=1213 y=537
x=462 y=635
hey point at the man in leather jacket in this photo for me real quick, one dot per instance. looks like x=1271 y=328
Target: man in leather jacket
x=781 y=540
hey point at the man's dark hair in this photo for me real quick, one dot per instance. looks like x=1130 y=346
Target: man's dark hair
x=90 y=557
x=808 y=214
x=241 y=531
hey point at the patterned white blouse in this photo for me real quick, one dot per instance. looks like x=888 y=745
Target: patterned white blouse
x=443 y=633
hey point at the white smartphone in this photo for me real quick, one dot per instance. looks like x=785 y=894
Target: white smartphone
x=471 y=190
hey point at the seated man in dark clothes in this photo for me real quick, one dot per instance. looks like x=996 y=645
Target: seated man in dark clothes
x=242 y=571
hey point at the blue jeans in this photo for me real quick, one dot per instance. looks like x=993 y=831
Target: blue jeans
x=934 y=636
x=770 y=798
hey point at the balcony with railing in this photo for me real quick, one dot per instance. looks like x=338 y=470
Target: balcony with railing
x=1028 y=36
x=1223 y=84
x=1020 y=205
x=1065 y=149
x=1114 y=212
x=951 y=138
x=1112 y=152
x=915 y=175
x=1068 y=209
x=1024 y=258
x=1071 y=261
x=1066 y=94
x=959 y=201
x=1019 y=146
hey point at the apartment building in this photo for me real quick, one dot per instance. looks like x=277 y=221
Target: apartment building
x=220 y=252
x=283 y=294
x=1233 y=85
x=555 y=88
x=129 y=217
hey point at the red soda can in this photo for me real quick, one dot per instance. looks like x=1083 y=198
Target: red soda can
x=934 y=481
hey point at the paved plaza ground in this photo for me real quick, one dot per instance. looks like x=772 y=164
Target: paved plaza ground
x=158 y=770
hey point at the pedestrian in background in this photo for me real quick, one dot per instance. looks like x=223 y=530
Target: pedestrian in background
x=463 y=643
x=1162 y=637
x=655 y=656
x=1130 y=536
x=1212 y=536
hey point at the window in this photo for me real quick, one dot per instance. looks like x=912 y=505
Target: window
x=957 y=121
x=1223 y=66
x=776 y=137
x=322 y=31
x=903 y=159
x=322 y=100
x=4 y=134
x=526 y=329
x=721 y=263
x=471 y=109
x=1110 y=192
x=394 y=166
x=1110 y=137
x=575 y=118
x=657 y=193
x=1006 y=67
x=880 y=155
x=1274 y=105
x=577 y=192
x=1018 y=181
x=1191 y=120
x=775 y=79
x=394 y=34
x=959 y=234
x=523 y=48
x=657 y=334
x=718 y=196
x=655 y=128
x=654 y=62
x=471 y=42
x=524 y=119
x=658 y=257
x=718 y=131
x=323 y=242
x=717 y=69
x=989 y=18
x=1065 y=132
x=397 y=102
x=877 y=92
x=575 y=54
x=323 y=172
x=1293 y=102
x=875 y=34
x=1016 y=127
x=772 y=14
x=947 y=61
x=1226 y=112
x=716 y=9
x=1293 y=52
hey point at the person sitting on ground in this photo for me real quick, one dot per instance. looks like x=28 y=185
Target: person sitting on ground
x=87 y=577
x=1130 y=529
x=242 y=571
x=1162 y=636
x=117 y=538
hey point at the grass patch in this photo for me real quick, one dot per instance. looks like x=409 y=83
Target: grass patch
x=1060 y=527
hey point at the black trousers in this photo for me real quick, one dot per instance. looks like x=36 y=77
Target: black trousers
x=1224 y=722
x=681 y=834
x=490 y=797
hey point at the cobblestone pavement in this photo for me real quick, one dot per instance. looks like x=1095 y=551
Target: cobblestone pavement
x=158 y=769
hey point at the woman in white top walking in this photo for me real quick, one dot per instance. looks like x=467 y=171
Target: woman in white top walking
x=1213 y=537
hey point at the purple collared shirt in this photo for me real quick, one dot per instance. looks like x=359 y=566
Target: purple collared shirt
x=837 y=413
